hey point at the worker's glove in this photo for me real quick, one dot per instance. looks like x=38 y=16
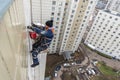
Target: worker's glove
x=29 y=27
x=33 y=24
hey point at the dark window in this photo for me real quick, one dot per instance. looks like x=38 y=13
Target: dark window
x=69 y=24
x=73 y=11
x=53 y=2
x=91 y=2
x=116 y=19
x=70 y=20
x=52 y=13
x=110 y=17
x=66 y=3
x=75 y=0
x=71 y=16
x=58 y=14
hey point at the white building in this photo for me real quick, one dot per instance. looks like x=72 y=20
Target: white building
x=104 y=35
x=75 y=25
x=113 y=5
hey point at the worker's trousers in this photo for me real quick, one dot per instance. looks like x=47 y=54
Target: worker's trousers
x=35 y=54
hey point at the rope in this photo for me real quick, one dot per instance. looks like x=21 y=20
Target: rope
x=31 y=11
x=41 y=10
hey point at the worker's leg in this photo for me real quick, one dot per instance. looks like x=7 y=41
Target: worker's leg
x=36 y=45
x=35 y=59
x=42 y=48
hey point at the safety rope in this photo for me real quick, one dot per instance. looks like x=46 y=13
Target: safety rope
x=41 y=11
x=31 y=11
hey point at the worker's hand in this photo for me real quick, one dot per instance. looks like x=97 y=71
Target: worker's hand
x=33 y=24
x=29 y=27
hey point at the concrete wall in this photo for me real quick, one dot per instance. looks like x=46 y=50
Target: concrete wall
x=13 y=44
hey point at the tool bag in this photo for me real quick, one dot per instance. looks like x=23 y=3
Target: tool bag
x=33 y=35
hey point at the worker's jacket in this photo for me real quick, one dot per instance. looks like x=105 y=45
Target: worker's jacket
x=46 y=36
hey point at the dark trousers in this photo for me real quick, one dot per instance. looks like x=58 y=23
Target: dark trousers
x=35 y=53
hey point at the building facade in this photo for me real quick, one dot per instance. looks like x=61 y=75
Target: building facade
x=104 y=35
x=76 y=23
x=13 y=49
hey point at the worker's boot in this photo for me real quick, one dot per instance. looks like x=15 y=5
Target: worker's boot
x=34 y=64
x=35 y=59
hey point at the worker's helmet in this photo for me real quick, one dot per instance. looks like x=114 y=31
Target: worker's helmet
x=49 y=23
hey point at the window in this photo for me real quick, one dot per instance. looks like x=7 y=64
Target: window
x=75 y=0
x=116 y=19
x=58 y=14
x=70 y=20
x=104 y=36
x=91 y=2
x=53 y=8
x=82 y=6
x=53 y=2
x=60 y=4
x=73 y=11
x=52 y=13
x=74 y=6
x=105 y=24
x=66 y=3
x=57 y=18
x=59 y=9
x=87 y=12
x=110 y=17
x=85 y=17
x=83 y=0
x=68 y=28
x=77 y=20
x=69 y=24
x=89 y=8
x=118 y=33
x=71 y=16
x=103 y=27
x=83 y=20
x=111 y=27
x=57 y=22
x=67 y=32
x=82 y=25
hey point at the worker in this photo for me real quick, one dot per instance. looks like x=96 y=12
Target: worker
x=46 y=35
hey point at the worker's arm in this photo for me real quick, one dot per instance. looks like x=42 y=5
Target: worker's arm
x=39 y=31
x=40 y=26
